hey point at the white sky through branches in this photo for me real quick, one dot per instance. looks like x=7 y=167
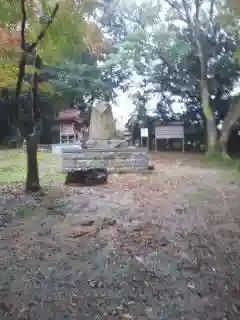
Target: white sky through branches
x=124 y=105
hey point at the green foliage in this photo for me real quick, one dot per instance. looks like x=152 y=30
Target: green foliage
x=140 y=101
x=10 y=12
x=8 y=75
x=64 y=38
x=73 y=34
x=13 y=167
x=166 y=57
x=69 y=35
x=85 y=79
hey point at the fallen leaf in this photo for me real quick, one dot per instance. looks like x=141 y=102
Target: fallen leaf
x=81 y=231
x=126 y=316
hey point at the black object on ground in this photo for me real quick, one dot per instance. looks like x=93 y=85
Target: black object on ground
x=150 y=167
x=88 y=177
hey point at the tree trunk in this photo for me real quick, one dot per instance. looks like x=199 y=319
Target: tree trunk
x=223 y=143
x=210 y=119
x=212 y=145
x=230 y=120
x=32 y=183
x=195 y=26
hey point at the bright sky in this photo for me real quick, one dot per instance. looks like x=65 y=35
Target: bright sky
x=122 y=109
x=124 y=105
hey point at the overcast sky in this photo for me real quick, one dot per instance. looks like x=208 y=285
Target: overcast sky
x=122 y=109
x=124 y=105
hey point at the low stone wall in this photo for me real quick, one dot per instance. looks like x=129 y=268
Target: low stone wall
x=113 y=161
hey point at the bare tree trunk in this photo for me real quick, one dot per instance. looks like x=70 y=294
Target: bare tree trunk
x=32 y=182
x=223 y=142
x=212 y=145
x=230 y=120
x=194 y=24
x=210 y=119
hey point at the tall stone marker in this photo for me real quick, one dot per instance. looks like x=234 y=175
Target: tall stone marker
x=102 y=123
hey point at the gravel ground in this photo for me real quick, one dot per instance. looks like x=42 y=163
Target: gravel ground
x=159 y=246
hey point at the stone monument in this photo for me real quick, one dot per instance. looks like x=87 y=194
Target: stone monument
x=102 y=129
x=102 y=123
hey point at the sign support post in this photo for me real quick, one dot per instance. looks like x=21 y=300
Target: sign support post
x=144 y=134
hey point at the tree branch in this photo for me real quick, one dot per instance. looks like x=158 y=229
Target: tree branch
x=29 y=49
x=211 y=11
x=164 y=59
x=188 y=16
x=23 y=59
x=197 y=8
x=23 y=24
x=37 y=67
x=193 y=27
x=173 y=4
x=41 y=35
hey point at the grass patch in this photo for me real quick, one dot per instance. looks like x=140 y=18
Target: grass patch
x=218 y=160
x=229 y=167
x=13 y=167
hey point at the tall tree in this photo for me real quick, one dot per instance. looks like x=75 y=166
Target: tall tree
x=185 y=60
x=31 y=128
x=36 y=44
x=230 y=16
x=198 y=16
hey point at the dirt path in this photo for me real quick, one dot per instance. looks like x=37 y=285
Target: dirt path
x=164 y=246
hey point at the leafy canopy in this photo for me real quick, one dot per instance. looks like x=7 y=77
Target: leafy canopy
x=70 y=34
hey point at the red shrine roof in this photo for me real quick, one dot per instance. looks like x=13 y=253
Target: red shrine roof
x=72 y=115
